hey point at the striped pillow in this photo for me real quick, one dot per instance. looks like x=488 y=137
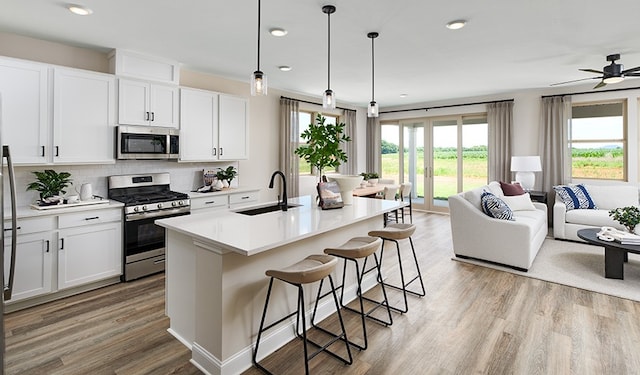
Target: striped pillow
x=575 y=197
x=495 y=207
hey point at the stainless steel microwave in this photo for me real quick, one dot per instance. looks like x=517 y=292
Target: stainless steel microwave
x=147 y=142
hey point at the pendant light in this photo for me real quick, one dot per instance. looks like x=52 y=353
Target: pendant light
x=328 y=98
x=258 y=78
x=372 y=111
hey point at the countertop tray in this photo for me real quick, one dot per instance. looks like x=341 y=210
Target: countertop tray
x=69 y=205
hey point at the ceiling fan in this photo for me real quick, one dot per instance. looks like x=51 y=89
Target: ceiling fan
x=612 y=73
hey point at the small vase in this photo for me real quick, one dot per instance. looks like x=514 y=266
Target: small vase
x=225 y=183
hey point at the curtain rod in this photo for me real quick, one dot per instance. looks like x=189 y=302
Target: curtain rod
x=591 y=92
x=447 y=106
x=308 y=102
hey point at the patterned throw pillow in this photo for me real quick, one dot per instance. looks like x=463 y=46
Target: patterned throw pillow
x=495 y=207
x=575 y=196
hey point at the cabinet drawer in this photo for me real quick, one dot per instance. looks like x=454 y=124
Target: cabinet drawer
x=242 y=198
x=30 y=225
x=89 y=218
x=210 y=202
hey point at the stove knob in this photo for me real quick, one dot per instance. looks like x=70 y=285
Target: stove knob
x=144 y=208
x=174 y=204
x=159 y=205
x=136 y=209
x=180 y=203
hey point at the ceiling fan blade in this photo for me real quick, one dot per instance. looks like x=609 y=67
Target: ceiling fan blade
x=575 y=80
x=637 y=68
x=592 y=71
x=601 y=84
x=632 y=74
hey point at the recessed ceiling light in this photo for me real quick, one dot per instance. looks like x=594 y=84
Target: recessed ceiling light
x=457 y=24
x=276 y=31
x=404 y=95
x=79 y=10
x=284 y=68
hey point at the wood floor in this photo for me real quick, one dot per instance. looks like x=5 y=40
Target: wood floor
x=473 y=320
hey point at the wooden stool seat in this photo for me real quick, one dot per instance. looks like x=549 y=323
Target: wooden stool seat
x=356 y=248
x=309 y=270
x=397 y=231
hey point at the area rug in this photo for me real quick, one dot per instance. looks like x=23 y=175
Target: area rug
x=577 y=265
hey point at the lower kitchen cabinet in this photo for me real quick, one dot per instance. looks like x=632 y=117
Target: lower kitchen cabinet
x=57 y=252
x=89 y=254
x=223 y=199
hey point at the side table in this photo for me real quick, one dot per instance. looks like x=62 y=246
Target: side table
x=538 y=196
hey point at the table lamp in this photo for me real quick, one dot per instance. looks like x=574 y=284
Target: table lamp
x=524 y=166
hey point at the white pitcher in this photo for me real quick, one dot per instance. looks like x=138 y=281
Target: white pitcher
x=86 y=192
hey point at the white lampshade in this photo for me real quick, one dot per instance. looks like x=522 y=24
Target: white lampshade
x=524 y=166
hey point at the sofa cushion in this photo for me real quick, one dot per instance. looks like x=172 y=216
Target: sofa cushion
x=495 y=207
x=511 y=189
x=519 y=202
x=575 y=196
x=613 y=196
x=596 y=218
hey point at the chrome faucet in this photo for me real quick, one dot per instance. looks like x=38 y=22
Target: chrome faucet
x=283 y=205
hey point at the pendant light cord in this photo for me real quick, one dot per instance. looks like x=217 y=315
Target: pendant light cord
x=329 y=51
x=372 y=71
x=258 y=34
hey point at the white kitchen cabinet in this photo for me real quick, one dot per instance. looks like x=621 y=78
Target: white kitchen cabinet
x=84 y=117
x=25 y=110
x=146 y=103
x=232 y=128
x=34 y=257
x=215 y=201
x=243 y=198
x=212 y=126
x=89 y=247
x=198 y=125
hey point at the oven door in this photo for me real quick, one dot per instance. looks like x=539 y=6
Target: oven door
x=144 y=239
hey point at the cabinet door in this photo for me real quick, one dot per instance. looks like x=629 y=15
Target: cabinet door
x=83 y=123
x=89 y=253
x=164 y=106
x=198 y=125
x=133 y=102
x=232 y=128
x=25 y=114
x=33 y=265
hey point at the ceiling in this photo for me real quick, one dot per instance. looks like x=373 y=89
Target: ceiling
x=506 y=45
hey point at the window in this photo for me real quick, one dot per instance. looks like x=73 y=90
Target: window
x=597 y=139
x=305 y=119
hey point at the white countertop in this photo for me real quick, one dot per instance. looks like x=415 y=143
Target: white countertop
x=249 y=235
x=27 y=211
x=224 y=191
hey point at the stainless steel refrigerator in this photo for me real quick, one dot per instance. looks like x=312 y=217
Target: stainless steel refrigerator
x=8 y=259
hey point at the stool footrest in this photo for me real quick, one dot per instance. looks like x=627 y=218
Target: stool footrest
x=419 y=294
x=368 y=313
x=324 y=348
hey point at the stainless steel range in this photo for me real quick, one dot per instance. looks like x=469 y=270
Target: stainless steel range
x=146 y=197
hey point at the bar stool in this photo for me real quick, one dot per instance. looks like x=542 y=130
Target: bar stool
x=352 y=250
x=311 y=269
x=396 y=232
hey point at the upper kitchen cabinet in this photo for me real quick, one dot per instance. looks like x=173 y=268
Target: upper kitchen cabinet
x=213 y=126
x=232 y=128
x=146 y=103
x=25 y=110
x=83 y=117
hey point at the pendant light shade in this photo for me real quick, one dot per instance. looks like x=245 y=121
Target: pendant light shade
x=258 y=78
x=328 y=98
x=372 y=111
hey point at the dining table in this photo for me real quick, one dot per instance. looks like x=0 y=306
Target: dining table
x=372 y=191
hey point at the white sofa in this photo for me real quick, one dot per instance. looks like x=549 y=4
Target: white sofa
x=567 y=223
x=476 y=235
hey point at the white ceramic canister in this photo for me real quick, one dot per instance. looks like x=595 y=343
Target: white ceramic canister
x=86 y=192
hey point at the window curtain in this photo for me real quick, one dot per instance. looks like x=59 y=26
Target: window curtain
x=350 y=148
x=374 y=144
x=289 y=135
x=500 y=120
x=555 y=115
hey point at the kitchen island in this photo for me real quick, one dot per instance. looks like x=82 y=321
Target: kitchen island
x=215 y=281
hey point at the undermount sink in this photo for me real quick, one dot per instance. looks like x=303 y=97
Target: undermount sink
x=263 y=210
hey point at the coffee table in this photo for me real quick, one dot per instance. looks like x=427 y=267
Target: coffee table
x=615 y=253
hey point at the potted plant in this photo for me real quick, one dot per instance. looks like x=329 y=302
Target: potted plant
x=227 y=175
x=323 y=145
x=370 y=177
x=50 y=184
x=628 y=216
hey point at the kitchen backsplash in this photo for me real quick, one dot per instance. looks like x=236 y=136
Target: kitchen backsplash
x=184 y=176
